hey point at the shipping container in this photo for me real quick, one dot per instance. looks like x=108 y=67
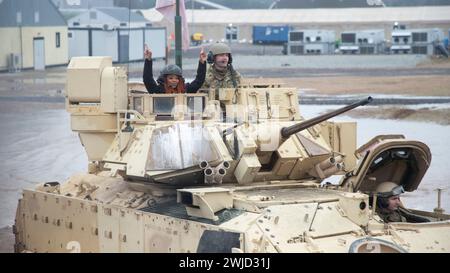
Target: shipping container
x=275 y=35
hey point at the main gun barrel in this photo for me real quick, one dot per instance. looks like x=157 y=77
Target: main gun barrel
x=288 y=131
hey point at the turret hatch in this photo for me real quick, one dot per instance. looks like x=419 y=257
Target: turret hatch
x=389 y=158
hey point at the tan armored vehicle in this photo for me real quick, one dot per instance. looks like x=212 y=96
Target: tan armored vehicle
x=244 y=173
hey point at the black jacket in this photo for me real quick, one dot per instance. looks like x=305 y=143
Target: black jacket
x=158 y=87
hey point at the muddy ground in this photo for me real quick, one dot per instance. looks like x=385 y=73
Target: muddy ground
x=417 y=85
x=425 y=114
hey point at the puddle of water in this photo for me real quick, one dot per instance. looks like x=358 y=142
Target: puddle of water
x=28 y=81
x=40 y=80
x=35 y=147
x=306 y=92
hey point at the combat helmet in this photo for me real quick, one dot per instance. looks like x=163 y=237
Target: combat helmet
x=220 y=48
x=172 y=69
x=388 y=189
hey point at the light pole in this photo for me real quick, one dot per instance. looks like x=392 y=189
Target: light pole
x=192 y=24
x=178 y=34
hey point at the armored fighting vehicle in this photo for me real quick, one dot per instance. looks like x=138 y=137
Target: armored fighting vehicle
x=227 y=170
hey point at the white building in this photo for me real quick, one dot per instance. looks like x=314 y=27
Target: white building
x=116 y=32
x=123 y=45
x=416 y=41
x=311 y=42
x=214 y=23
x=362 y=42
x=82 y=4
x=107 y=18
x=33 y=35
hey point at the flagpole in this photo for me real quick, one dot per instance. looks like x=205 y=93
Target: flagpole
x=178 y=35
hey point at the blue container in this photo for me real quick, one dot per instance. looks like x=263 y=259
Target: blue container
x=270 y=34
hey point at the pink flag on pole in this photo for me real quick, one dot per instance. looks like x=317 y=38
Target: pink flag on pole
x=168 y=9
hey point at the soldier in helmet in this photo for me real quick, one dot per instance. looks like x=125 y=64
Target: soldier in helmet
x=221 y=73
x=389 y=206
x=171 y=78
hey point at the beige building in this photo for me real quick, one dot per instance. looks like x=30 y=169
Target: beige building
x=34 y=35
x=214 y=24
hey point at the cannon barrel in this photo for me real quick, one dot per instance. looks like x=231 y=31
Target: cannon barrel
x=288 y=131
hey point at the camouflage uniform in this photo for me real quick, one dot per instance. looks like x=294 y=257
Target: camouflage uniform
x=400 y=215
x=391 y=215
x=214 y=80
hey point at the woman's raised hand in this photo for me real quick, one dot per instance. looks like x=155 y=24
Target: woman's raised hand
x=147 y=52
x=202 y=56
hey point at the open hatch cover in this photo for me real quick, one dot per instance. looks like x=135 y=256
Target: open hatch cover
x=390 y=158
